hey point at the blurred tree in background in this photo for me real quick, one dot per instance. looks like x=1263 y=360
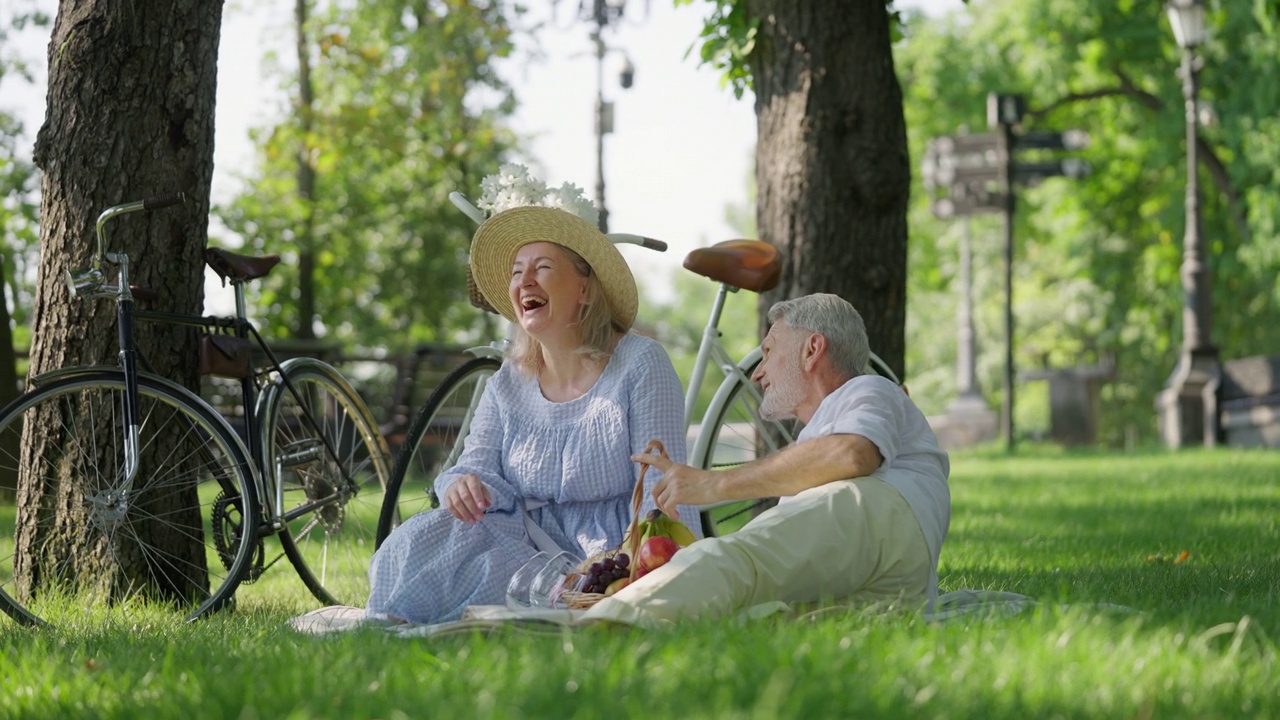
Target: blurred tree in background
x=1097 y=260
x=399 y=105
x=19 y=218
x=404 y=106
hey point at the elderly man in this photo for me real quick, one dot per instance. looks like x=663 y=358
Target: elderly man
x=864 y=499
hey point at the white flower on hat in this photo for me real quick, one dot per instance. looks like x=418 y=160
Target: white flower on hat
x=514 y=187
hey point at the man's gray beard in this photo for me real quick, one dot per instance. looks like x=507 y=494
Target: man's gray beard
x=780 y=401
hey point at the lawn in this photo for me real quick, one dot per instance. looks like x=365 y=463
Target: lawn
x=1120 y=629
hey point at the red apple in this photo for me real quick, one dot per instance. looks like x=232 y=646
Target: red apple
x=655 y=552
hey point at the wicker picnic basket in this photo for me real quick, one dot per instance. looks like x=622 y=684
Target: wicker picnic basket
x=579 y=600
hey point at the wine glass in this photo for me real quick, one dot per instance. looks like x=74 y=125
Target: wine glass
x=550 y=583
x=522 y=580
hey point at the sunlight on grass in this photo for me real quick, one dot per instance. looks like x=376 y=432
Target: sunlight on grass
x=1119 y=629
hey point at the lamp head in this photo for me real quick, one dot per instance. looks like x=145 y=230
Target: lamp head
x=85 y=282
x=627 y=76
x=1187 y=19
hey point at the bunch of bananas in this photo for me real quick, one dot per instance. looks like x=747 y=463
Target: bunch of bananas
x=658 y=524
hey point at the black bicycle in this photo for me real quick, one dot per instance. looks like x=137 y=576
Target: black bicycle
x=131 y=487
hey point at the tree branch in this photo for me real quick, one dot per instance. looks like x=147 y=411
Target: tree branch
x=1208 y=157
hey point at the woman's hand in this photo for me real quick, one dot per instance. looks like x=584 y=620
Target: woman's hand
x=467 y=498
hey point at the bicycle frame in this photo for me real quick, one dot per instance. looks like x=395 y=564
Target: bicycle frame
x=91 y=283
x=711 y=350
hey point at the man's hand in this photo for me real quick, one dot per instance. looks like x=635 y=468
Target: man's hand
x=467 y=498
x=791 y=470
x=680 y=484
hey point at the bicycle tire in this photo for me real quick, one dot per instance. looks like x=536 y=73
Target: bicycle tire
x=333 y=477
x=444 y=417
x=95 y=553
x=737 y=411
x=737 y=435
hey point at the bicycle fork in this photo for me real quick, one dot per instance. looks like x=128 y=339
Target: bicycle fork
x=129 y=362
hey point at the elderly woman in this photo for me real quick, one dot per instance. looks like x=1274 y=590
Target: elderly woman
x=548 y=458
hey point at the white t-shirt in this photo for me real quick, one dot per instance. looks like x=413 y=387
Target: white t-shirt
x=877 y=409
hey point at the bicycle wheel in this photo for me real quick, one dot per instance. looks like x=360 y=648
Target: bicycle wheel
x=733 y=433
x=330 y=467
x=78 y=546
x=433 y=442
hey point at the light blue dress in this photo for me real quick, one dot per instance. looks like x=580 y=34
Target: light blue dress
x=575 y=456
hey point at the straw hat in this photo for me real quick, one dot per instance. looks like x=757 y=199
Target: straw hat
x=493 y=250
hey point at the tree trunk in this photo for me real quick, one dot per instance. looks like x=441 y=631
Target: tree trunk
x=129 y=116
x=831 y=158
x=306 y=183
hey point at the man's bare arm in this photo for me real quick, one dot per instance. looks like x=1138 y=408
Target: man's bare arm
x=801 y=466
x=793 y=469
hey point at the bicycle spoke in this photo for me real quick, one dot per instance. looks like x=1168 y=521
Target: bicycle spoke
x=108 y=546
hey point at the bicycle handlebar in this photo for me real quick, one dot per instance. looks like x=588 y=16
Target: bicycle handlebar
x=152 y=203
x=91 y=282
x=642 y=241
x=163 y=201
x=461 y=202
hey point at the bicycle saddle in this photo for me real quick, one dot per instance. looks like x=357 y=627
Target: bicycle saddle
x=239 y=267
x=747 y=264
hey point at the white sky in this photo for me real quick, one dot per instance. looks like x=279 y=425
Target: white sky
x=680 y=153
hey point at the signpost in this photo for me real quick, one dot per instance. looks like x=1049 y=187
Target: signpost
x=977 y=173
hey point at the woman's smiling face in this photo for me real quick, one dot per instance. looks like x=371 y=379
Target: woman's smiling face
x=546 y=289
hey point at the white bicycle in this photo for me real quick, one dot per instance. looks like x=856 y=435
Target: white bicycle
x=730 y=431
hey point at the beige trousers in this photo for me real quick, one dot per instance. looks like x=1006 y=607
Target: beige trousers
x=851 y=540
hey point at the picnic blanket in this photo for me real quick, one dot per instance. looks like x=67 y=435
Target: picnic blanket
x=958 y=604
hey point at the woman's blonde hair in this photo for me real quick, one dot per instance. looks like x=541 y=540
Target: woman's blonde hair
x=597 y=329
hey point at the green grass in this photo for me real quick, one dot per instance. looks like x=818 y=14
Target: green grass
x=1079 y=532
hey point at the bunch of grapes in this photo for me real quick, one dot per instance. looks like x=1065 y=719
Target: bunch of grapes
x=600 y=574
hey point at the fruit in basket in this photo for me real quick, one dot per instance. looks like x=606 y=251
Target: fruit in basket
x=658 y=524
x=617 y=585
x=654 y=553
x=673 y=529
x=599 y=575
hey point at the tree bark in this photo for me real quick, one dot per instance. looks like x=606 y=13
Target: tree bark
x=831 y=158
x=306 y=182
x=130 y=115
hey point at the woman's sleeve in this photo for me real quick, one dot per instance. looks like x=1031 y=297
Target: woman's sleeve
x=483 y=449
x=657 y=412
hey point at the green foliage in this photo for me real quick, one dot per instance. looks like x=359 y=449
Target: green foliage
x=728 y=38
x=1096 y=276
x=407 y=109
x=19 y=189
x=1115 y=635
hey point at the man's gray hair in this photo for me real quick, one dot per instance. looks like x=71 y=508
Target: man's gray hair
x=834 y=318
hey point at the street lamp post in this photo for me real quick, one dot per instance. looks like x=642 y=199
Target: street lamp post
x=604 y=12
x=1187 y=407
x=604 y=118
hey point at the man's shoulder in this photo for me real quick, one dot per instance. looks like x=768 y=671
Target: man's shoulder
x=865 y=392
x=869 y=385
